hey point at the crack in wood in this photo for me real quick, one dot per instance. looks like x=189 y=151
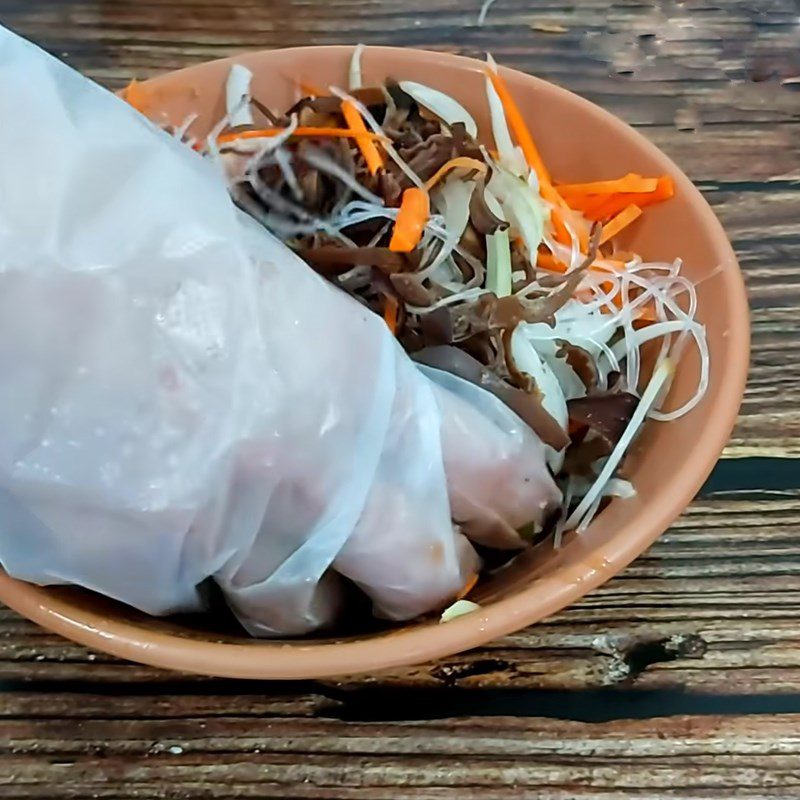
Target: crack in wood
x=631 y=656
x=450 y=674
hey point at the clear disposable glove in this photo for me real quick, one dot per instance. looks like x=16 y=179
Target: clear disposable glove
x=183 y=399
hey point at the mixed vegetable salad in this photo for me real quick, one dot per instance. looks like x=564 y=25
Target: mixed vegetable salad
x=479 y=261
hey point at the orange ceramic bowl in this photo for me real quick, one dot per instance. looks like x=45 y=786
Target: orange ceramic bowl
x=579 y=142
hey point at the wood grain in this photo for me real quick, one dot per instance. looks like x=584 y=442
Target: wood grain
x=713 y=607
x=246 y=747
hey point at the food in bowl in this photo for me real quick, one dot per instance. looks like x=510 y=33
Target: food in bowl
x=481 y=263
x=570 y=549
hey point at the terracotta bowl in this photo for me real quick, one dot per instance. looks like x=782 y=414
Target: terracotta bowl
x=579 y=142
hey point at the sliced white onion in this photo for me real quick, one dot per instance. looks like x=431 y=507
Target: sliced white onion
x=458 y=609
x=445 y=107
x=553 y=400
x=498 y=253
x=355 y=68
x=661 y=377
x=372 y=123
x=508 y=155
x=237 y=96
x=453 y=199
x=487 y=4
x=521 y=207
x=180 y=132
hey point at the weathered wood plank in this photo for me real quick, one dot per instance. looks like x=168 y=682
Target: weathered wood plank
x=241 y=754
x=714 y=606
x=647 y=62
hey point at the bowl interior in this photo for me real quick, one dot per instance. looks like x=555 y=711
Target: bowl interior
x=579 y=142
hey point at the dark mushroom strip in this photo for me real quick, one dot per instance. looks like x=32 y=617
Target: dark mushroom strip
x=581 y=361
x=481 y=216
x=519 y=378
x=369 y=96
x=387 y=290
x=278 y=122
x=402 y=100
x=527 y=405
x=410 y=287
x=480 y=347
x=606 y=415
x=333 y=259
x=543 y=309
x=508 y=312
x=583 y=454
x=321 y=105
x=437 y=327
x=426 y=158
x=243 y=198
x=322 y=161
x=390 y=185
x=275 y=201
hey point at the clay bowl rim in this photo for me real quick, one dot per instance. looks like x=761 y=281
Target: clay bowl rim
x=417 y=644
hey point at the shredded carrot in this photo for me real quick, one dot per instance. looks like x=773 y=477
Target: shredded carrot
x=137 y=96
x=609 y=265
x=525 y=141
x=263 y=133
x=616 y=298
x=609 y=206
x=390 y=313
x=647 y=316
x=546 y=260
x=534 y=161
x=355 y=122
x=461 y=162
x=591 y=204
x=549 y=262
x=519 y=128
x=631 y=183
x=310 y=89
x=560 y=231
x=574 y=427
x=415 y=208
x=468 y=586
x=621 y=221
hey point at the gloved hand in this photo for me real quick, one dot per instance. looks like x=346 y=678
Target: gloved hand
x=184 y=399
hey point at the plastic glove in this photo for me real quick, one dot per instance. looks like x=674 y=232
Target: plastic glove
x=184 y=399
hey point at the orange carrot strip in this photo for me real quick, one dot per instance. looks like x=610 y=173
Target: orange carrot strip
x=461 y=162
x=468 y=586
x=525 y=140
x=610 y=207
x=616 y=203
x=629 y=184
x=621 y=221
x=390 y=313
x=647 y=314
x=415 y=208
x=137 y=96
x=560 y=228
x=519 y=128
x=583 y=237
x=310 y=89
x=546 y=260
x=263 y=133
x=355 y=122
x=591 y=203
x=549 y=262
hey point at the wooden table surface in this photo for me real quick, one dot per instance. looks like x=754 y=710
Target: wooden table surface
x=678 y=679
